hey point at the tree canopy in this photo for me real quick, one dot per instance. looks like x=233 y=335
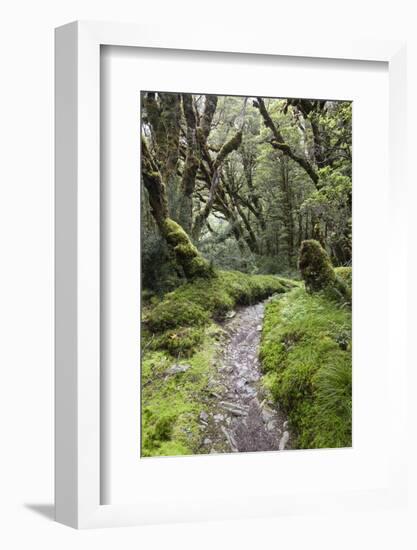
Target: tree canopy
x=245 y=180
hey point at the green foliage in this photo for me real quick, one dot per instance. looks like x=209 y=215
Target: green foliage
x=264 y=205
x=306 y=356
x=330 y=205
x=171 y=313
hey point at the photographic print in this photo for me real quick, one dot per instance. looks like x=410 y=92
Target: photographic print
x=246 y=274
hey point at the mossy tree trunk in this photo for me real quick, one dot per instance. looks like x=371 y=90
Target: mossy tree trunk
x=164 y=120
x=186 y=254
x=196 y=136
x=318 y=273
x=164 y=116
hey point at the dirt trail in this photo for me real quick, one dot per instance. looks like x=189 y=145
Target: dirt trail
x=241 y=419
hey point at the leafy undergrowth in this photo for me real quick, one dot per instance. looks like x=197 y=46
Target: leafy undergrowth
x=306 y=357
x=179 y=330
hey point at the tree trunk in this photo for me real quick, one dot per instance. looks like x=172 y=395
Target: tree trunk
x=186 y=254
x=278 y=143
x=227 y=148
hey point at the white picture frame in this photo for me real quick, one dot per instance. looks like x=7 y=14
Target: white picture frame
x=77 y=242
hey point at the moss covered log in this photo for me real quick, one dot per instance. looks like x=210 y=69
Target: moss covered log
x=186 y=253
x=318 y=273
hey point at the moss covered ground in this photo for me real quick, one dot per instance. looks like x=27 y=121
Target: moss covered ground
x=171 y=403
x=180 y=329
x=176 y=322
x=306 y=358
x=305 y=354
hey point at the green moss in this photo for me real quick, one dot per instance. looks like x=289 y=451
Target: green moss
x=196 y=302
x=199 y=267
x=318 y=273
x=186 y=253
x=171 y=313
x=171 y=403
x=180 y=342
x=175 y=234
x=315 y=266
x=306 y=356
x=344 y=273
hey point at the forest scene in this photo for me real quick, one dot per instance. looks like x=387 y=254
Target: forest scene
x=246 y=258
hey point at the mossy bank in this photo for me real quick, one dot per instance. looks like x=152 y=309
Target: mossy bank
x=306 y=358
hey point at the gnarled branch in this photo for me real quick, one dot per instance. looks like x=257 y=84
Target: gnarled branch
x=278 y=142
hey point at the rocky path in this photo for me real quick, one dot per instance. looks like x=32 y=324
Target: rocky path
x=241 y=419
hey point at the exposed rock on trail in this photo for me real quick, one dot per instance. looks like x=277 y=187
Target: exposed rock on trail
x=241 y=419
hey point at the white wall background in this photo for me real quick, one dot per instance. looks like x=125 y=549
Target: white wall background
x=26 y=272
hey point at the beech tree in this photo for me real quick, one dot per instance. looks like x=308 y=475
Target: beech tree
x=240 y=182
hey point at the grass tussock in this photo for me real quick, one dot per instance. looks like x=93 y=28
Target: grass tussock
x=306 y=357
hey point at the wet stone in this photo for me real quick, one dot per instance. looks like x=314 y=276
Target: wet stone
x=243 y=418
x=283 y=441
x=271 y=425
x=175 y=369
x=267 y=414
